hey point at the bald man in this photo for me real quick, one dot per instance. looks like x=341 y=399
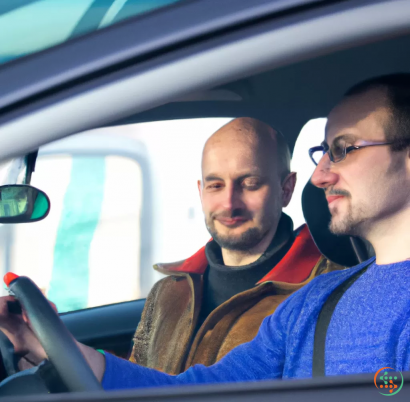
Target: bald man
x=216 y=300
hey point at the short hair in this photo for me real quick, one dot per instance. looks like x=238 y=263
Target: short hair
x=397 y=90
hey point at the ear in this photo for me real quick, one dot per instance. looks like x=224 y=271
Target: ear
x=199 y=183
x=288 y=187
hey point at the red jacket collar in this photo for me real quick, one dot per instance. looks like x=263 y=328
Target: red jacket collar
x=294 y=267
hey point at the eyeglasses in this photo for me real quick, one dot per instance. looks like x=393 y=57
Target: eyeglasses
x=338 y=150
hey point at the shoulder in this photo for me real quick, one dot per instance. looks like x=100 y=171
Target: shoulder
x=167 y=284
x=325 y=283
x=311 y=297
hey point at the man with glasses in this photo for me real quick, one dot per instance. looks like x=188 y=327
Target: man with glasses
x=344 y=322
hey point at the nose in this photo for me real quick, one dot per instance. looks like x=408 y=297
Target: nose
x=323 y=176
x=231 y=197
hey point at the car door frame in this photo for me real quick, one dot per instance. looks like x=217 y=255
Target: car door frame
x=151 y=78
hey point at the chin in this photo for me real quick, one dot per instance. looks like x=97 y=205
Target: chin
x=231 y=235
x=337 y=229
x=234 y=231
x=334 y=209
x=239 y=240
x=346 y=226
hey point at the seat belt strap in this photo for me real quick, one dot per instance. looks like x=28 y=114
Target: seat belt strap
x=323 y=321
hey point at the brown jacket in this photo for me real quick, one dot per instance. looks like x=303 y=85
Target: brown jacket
x=164 y=338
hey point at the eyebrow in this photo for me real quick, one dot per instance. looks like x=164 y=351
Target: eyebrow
x=343 y=137
x=213 y=177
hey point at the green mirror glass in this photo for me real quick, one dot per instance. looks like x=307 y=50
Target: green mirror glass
x=22 y=204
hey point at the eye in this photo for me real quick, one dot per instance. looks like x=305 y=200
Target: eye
x=338 y=148
x=214 y=186
x=251 y=183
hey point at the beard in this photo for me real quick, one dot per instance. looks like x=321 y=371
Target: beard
x=352 y=224
x=243 y=241
x=377 y=204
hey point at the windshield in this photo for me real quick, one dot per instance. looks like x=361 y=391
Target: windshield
x=28 y=26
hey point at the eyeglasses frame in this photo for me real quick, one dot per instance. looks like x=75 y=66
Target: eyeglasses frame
x=346 y=150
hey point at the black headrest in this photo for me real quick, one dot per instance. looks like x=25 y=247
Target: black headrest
x=344 y=250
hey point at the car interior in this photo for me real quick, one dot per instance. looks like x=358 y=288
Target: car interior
x=286 y=97
x=308 y=90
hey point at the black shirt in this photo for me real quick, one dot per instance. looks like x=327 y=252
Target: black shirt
x=222 y=282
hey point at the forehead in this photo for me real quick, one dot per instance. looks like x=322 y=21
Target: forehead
x=234 y=157
x=363 y=116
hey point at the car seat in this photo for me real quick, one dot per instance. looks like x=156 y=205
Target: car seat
x=344 y=250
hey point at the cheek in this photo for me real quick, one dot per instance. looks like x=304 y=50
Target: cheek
x=388 y=191
x=259 y=202
x=365 y=171
x=366 y=186
x=210 y=203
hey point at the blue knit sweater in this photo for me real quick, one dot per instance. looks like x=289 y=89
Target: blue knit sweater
x=370 y=329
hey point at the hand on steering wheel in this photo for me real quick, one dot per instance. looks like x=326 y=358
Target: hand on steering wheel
x=59 y=345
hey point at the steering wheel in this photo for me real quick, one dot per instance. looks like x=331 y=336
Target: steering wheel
x=59 y=345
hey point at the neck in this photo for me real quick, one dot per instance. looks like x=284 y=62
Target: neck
x=235 y=258
x=391 y=238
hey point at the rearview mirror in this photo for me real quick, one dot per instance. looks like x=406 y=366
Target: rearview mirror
x=21 y=203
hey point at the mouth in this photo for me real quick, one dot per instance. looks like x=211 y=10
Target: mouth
x=231 y=222
x=333 y=198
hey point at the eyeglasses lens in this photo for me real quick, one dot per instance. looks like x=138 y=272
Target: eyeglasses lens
x=317 y=156
x=338 y=150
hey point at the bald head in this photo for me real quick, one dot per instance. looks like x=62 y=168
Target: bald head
x=257 y=137
x=245 y=184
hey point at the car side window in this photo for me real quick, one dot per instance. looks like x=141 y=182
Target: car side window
x=123 y=199
x=90 y=242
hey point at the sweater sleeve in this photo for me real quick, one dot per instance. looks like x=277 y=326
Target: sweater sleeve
x=262 y=358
